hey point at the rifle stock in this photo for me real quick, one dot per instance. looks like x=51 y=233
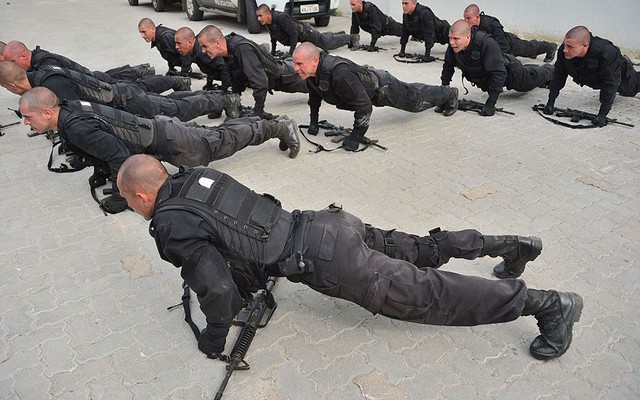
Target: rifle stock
x=256 y=315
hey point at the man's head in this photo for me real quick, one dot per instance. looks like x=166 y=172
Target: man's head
x=459 y=36
x=147 y=30
x=18 y=53
x=139 y=179
x=408 y=6
x=213 y=41
x=185 y=40
x=356 y=5
x=472 y=15
x=305 y=59
x=2 y=46
x=576 y=42
x=13 y=78
x=39 y=108
x=264 y=14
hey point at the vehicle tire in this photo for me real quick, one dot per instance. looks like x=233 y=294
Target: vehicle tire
x=193 y=10
x=322 y=21
x=133 y=2
x=253 y=26
x=159 y=5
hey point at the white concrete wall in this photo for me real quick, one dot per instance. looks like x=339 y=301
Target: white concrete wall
x=616 y=20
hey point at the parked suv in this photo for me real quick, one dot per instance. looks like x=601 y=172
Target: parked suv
x=158 y=5
x=245 y=10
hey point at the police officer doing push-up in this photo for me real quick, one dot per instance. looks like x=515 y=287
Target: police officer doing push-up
x=163 y=39
x=104 y=137
x=365 y=15
x=18 y=52
x=196 y=213
x=594 y=62
x=289 y=31
x=349 y=86
x=72 y=85
x=421 y=23
x=479 y=57
x=509 y=42
x=251 y=66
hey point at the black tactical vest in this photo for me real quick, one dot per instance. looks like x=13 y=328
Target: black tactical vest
x=40 y=58
x=585 y=71
x=470 y=61
x=252 y=230
x=272 y=67
x=328 y=63
x=89 y=88
x=137 y=133
x=277 y=33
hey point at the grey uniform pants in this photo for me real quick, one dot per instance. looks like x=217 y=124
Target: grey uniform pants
x=347 y=268
x=526 y=48
x=324 y=40
x=524 y=78
x=180 y=143
x=413 y=97
x=136 y=101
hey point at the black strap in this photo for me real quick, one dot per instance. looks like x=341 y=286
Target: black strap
x=389 y=244
x=444 y=245
x=63 y=167
x=186 y=306
x=540 y=107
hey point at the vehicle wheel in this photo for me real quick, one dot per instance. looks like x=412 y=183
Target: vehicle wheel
x=322 y=21
x=133 y=2
x=253 y=26
x=193 y=10
x=159 y=5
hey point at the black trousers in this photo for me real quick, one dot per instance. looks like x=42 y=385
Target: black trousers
x=124 y=73
x=136 y=101
x=413 y=97
x=630 y=82
x=524 y=78
x=180 y=143
x=345 y=267
x=324 y=40
x=526 y=48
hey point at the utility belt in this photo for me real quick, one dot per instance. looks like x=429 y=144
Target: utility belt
x=296 y=264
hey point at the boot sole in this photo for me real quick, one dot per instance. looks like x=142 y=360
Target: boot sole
x=572 y=316
x=501 y=270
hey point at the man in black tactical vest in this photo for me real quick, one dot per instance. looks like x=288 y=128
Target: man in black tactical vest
x=482 y=63
x=214 y=68
x=18 y=52
x=349 y=86
x=421 y=23
x=287 y=30
x=367 y=16
x=72 y=85
x=509 y=42
x=251 y=66
x=104 y=137
x=596 y=63
x=163 y=39
x=195 y=218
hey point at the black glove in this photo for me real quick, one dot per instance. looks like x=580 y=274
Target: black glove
x=549 y=108
x=488 y=110
x=212 y=340
x=313 y=129
x=599 y=121
x=350 y=144
x=427 y=58
x=97 y=180
x=114 y=204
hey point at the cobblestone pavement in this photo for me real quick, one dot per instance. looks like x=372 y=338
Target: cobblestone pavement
x=84 y=296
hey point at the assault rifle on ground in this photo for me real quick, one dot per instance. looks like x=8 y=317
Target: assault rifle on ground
x=256 y=315
x=340 y=133
x=576 y=116
x=412 y=58
x=365 y=47
x=471 y=105
x=7 y=125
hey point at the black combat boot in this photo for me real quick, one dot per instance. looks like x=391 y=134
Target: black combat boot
x=551 y=52
x=354 y=41
x=451 y=106
x=180 y=83
x=232 y=105
x=556 y=313
x=286 y=130
x=515 y=250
